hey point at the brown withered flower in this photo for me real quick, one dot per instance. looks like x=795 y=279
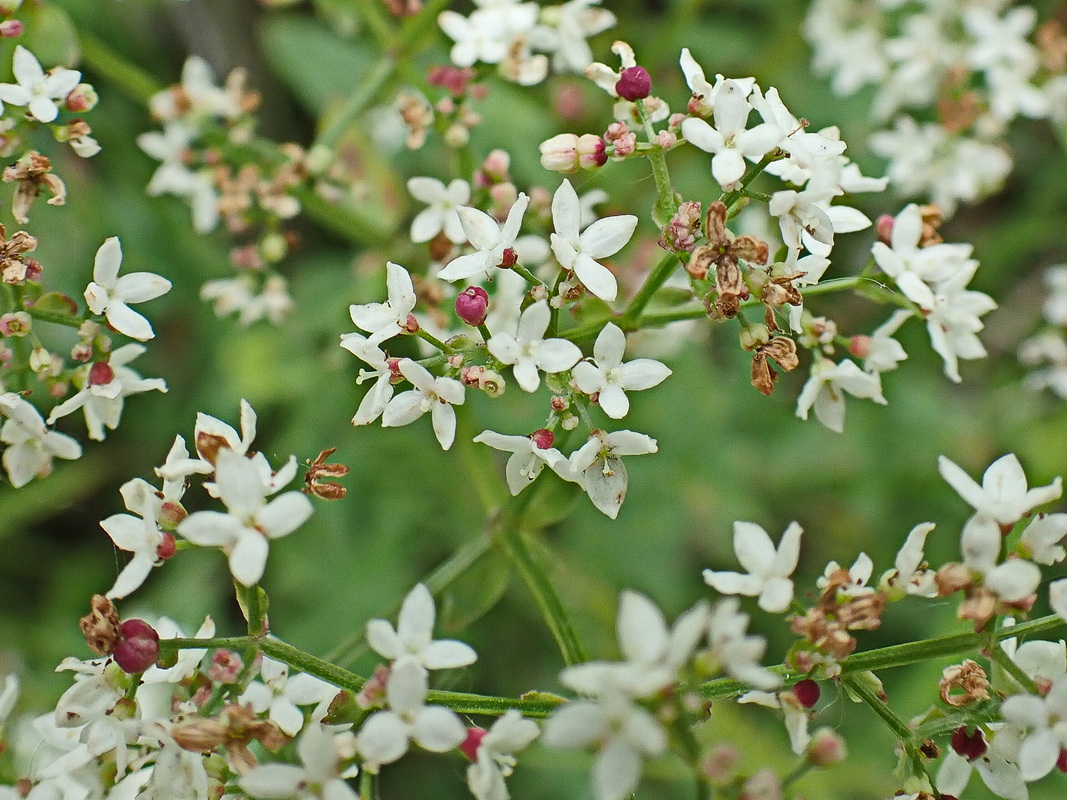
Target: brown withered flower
x=963 y=684
x=827 y=624
x=318 y=470
x=101 y=625
x=15 y=268
x=725 y=251
x=232 y=730
x=782 y=350
x=33 y=174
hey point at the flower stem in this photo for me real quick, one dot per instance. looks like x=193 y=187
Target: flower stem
x=134 y=81
x=655 y=280
x=666 y=204
x=367 y=89
x=529 y=276
x=426 y=336
x=1004 y=661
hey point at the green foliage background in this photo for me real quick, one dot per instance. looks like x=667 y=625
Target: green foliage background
x=726 y=453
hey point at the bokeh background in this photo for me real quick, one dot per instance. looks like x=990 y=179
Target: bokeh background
x=726 y=453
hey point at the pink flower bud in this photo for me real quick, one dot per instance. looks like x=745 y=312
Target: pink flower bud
x=82 y=98
x=509 y=258
x=137 y=647
x=634 y=84
x=860 y=346
x=10 y=28
x=807 y=692
x=472 y=305
x=226 y=665
x=968 y=745
x=411 y=325
x=543 y=438
x=826 y=748
x=884 y=228
x=170 y=514
x=470 y=745
x=167 y=548
x=591 y=151
x=101 y=374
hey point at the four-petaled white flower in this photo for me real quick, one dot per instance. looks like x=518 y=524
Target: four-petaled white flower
x=374 y=402
x=1013 y=580
x=385 y=736
x=413 y=635
x=826 y=387
x=768 y=567
x=735 y=650
x=528 y=351
x=527 y=460
x=597 y=466
x=110 y=295
x=436 y=395
x=1003 y=494
x=494 y=760
x=442 y=213
x=1041 y=539
x=622 y=731
x=729 y=140
x=910 y=571
x=385 y=320
x=280 y=695
x=31 y=445
x=244 y=531
x=610 y=379
x=138 y=534
x=1046 y=717
x=489 y=240
x=320 y=776
x=36 y=88
x=578 y=252
x=106 y=386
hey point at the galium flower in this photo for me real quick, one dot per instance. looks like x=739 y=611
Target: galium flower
x=436 y=395
x=374 y=401
x=768 y=568
x=825 y=391
x=579 y=252
x=250 y=522
x=909 y=569
x=734 y=650
x=111 y=295
x=1014 y=579
x=280 y=695
x=37 y=89
x=598 y=468
x=385 y=320
x=528 y=351
x=137 y=533
x=1003 y=494
x=492 y=756
x=609 y=378
x=443 y=202
x=1042 y=538
x=31 y=446
x=489 y=239
x=413 y=635
x=529 y=455
x=1046 y=719
x=318 y=777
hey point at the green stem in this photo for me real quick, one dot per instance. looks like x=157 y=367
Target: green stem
x=131 y=79
x=863 y=691
x=369 y=86
x=798 y=772
x=655 y=280
x=732 y=198
x=529 y=276
x=1004 y=661
x=426 y=336
x=666 y=205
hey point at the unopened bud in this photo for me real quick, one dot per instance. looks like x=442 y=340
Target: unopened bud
x=860 y=346
x=171 y=512
x=543 y=438
x=509 y=258
x=101 y=374
x=752 y=336
x=82 y=98
x=225 y=667
x=806 y=692
x=167 y=548
x=10 y=28
x=969 y=745
x=138 y=646
x=634 y=84
x=884 y=229
x=826 y=748
x=470 y=745
x=472 y=305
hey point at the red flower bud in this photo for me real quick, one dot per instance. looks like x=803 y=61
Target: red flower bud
x=884 y=227
x=807 y=692
x=472 y=305
x=968 y=745
x=167 y=547
x=543 y=438
x=138 y=646
x=101 y=374
x=634 y=83
x=473 y=741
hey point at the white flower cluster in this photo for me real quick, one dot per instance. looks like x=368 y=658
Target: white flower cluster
x=1047 y=349
x=524 y=39
x=974 y=61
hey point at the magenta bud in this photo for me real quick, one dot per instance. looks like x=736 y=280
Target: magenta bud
x=884 y=228
x=860 y=346
x=138 y=646
x=806 y=692
x=167 y=548
x=968 y=745
x=470 y=745
x=101 y=374
x=543 y=438
x=634 y=84
x=472 y=305
x=10 y=28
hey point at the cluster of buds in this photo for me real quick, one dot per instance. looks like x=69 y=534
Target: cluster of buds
x=132 y=643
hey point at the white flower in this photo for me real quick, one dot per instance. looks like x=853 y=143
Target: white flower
x=997 y=767
x=138 y=534
x=624 y=734
x=413 y=635
x=1013 y=580
x=385 y=320
x=1057 y=597
x=37 y=89
x=198 y=97
x=826 y=387
x=111 y=295
x=318 y=778
x=527 y=460
x=1003 y=494
x=597 y=466
x=280 y=694
x=441 y=214
x=910 y=571
x=243 y=533
x=795 y=715
x=528 y=351
x=858 y=574
x=610 y=379
x=489 y=239
x=578 y=252
x=436 y=395
x=31 y=446
x=384 y=737
x=104 y=391
x=883 y=352
x=178 y=466
x=373 y=403
x=952 y=321
x=1047 y=718
x=768 y=567
x=730 y=142
x=494 y=760
x=1042 y=537
x=734 y=650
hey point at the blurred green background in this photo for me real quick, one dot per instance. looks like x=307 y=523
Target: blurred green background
x=726 y=453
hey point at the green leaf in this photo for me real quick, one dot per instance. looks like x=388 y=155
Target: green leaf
x=56 y=303
x=51 y=36
x=470 y=597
